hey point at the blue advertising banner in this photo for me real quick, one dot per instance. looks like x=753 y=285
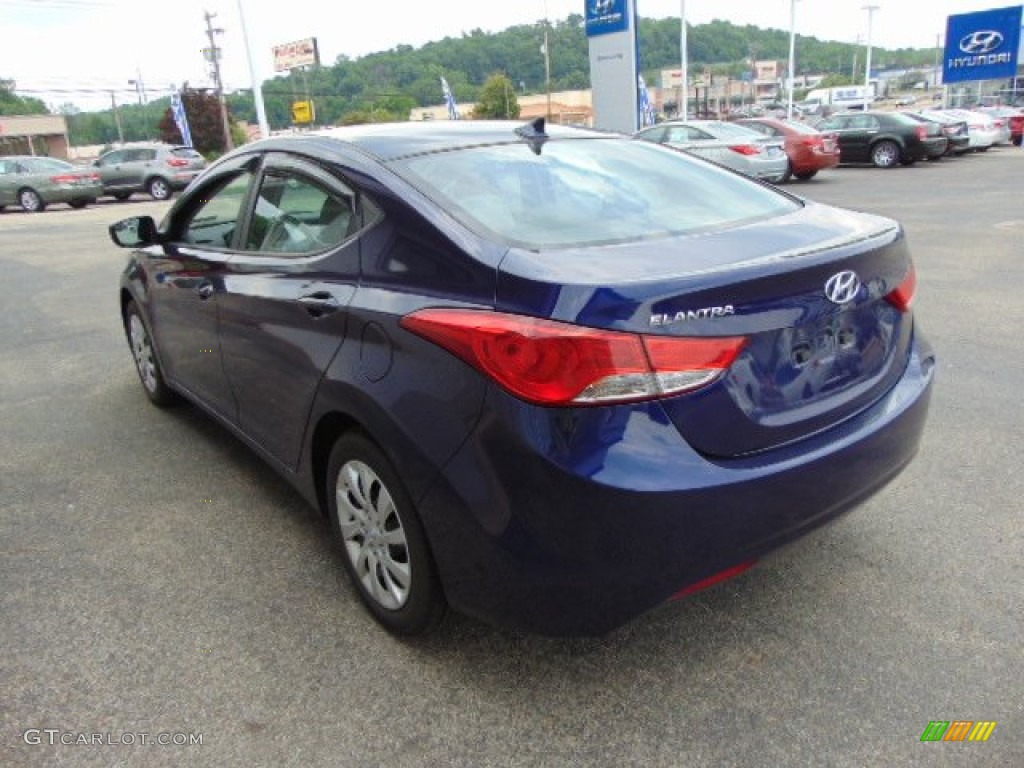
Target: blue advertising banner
x=982 y=46
x=605 y=16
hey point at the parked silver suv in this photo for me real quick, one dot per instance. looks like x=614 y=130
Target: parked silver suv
x=154 y=168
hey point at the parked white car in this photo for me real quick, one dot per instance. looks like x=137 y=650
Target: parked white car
x=728 y=144
x=982 y=130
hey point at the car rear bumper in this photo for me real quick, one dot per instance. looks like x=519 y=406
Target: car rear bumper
x=531 y=531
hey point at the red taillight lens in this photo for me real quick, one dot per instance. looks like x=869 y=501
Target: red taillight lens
x=177 y=162
x=553 y=363
x=922 y=132
x=64 y=178
x=903 y=296
x=746 y=149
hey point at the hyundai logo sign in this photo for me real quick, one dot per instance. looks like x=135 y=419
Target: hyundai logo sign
x=842 y=287
x=982 y=45
x=981 y=42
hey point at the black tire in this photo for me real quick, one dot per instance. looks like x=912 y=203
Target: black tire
x=788 y=174
x=805 y=175
x=886 y=154
x=159 y=189
x=121 y=195
x=78 y=203
x=147 y=364
x=984 y=149
x=382 y=539
x=30 y=201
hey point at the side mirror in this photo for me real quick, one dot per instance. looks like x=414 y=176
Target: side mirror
x=136 y=232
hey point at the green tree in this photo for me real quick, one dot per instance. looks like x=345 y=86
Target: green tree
x=13 y=104
x=497 y=99
x=204 y=122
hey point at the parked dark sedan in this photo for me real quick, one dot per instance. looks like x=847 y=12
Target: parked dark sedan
x=955 y=130
x=519 y=378
x=882 y=138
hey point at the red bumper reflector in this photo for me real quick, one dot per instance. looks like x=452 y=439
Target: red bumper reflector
x=710 y=581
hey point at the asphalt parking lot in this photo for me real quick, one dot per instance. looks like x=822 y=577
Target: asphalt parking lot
x=158 y=579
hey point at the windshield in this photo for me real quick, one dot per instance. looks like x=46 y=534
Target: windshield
x=585 y=192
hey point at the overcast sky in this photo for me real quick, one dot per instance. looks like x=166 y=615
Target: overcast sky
x=69 y=47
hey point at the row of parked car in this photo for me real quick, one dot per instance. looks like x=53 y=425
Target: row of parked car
x=156 y=169
x=774 y=149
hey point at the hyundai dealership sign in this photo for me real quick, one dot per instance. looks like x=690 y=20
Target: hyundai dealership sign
x=611 y=38
x=982 y=46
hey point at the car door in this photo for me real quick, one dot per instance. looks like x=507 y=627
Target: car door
x=111 y=169
x=187 y=276
x=840 y=126
x=861 y=133
x=286 y=294
x=8 y=187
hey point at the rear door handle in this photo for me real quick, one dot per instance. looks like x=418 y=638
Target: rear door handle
x=205 y=290
x=320 y=303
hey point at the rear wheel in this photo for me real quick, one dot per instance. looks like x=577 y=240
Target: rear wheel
x=788 y=174
x=78 y=203
x=885 y=154
x=383 y=544
x=158 y=189
x=805 y=175
x=121 y=195
x=30 y=201
x=146 y=363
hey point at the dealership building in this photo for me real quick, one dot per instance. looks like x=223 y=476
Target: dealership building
x=34 y=135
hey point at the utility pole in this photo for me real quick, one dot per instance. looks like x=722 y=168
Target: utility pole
x=684 y=93
x=117 y=118
x=867 y=60
x=214 y=57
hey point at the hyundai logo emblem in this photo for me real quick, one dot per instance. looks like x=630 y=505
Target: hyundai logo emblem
x=981 y=42
x=842 y=287
x=602 y=7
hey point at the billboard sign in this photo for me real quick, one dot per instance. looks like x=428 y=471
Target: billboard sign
x=606 y=16
x=982 y=46
x=301 y=53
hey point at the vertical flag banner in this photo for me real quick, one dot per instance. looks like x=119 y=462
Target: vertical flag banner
x=449 y=100
x=647 y=112
x=180 y=118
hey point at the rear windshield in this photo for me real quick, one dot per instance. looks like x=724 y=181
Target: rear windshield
x=802 y=127
x=185 y=152
x=589 y=191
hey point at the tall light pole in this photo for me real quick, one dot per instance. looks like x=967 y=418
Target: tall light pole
x=684 y=110
x=867 y=62
x=792 y=54
x=257 y=88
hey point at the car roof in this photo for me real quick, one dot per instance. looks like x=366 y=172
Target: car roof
x=389 y=141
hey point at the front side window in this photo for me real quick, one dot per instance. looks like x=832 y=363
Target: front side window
x=214 y=222
x=296 y=215
x=588 y=191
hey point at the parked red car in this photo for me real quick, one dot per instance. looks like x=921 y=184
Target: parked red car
x=809 y=149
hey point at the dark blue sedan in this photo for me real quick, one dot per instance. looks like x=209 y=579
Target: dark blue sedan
x=548 y=377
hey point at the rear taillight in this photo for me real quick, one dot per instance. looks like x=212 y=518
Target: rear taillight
x=746 y=149
x=813 y=141
x=553 y=363
x=903 y=295
x=922 y=132
x=64 y=178
x=176 y=162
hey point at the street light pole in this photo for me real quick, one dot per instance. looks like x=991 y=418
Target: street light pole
x=684 y=110
x=867 y=62
x=792 y=53
x=257 y=88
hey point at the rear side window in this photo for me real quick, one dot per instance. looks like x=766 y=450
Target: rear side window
x=589 y=191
